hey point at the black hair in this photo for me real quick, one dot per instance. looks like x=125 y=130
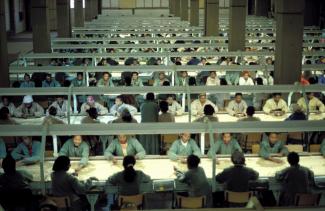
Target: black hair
x=250 y=111
x=163 y=106
x=275 y=94
x=166 y=83
x=178 y=63
x=293 y=158
x=150 y=96
x=212 y=72
x=127 y=80
x=92 y=112
x=238 y=158
x=48 y=75
x=192 y=81
x=208 y=110
x=126 y=115
x=4 y=97
x=26 y=74
x=135 y=73
x=193 y=161
x=52 y=111
x=223 y=82
x=259 y=81
x=104 y=73
x=4 y=113
x=129 y=173
x=9 y=164
x=238 y=94
x=62 y=163
x=80 y=73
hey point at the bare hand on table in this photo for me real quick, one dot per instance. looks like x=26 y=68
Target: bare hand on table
x=183 y=160
x=114 y=161
x=276 y=160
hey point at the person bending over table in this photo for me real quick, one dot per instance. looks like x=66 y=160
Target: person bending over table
x=295 y=179
x=183 y=147
x=276 y=105
x=123 y=146
x=76 y=147
x=226 y=145
x=91 y=117
x=61 y=106
x=272 y=144
x=128 y=180
x=92 y=104
x=29 y=108
x=238 y=176
x=27 y=152
x=51 y=119
x=314 y=104
x=196 y=178
x=237 y=107
x=197 y=106
x=119 y=106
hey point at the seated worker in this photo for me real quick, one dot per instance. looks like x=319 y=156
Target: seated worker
x=183 y=147
x=135 y=80
x=297 y=113
x=238 y=176
x=5 y=118
x=51 y=119
x=6 y=103
x=123 y=146
x=208 y=114
x=237 y=107
x=314 y=104
x=125 y=117
x=101 y=110
x=196 y=179
x=3 y=151
x=213 y=79
x=76 y=147
x=250 y=111
x=119 y=106
x=173 y=106
x=322 y=148
x=64 y=184
x=295 y=179
x=165 y=116
x=276 y=105
x=272 y=145
x=27 y=152
x=161 y=79
x=128 y=180
x=61 y=106
x=181 y=79
x=50 y=82
x=27 y=83
x=29 y=108
x=91 y=118
x=226 y=145
x=105 y=81
x=197 y=106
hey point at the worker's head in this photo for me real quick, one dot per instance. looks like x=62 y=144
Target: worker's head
x=48 y=77
x=203 y=98
x=27 y=140
x=277 y=97
x=9 y=164
x=52 y=111
x=122 y=138
x=126 y=115
x=259 y=81
x=238 y=158
x=4 y=113
x=77 y=140
x=193 y=161
x=162 y=75
x=293 y=158
x=185 y=137
x=245 y=74
x=163 y=106
x=90 y=100
x=80 y=76
x=250 y=111
x=135 y=75
x=273 y=137
x=295 y=108
x=310 y=95
x=226 y=138
x=62 y=163
x=208 y=110
x=106 y=76
x=119 y=100
x=5 y=100
x=203 y=61
x=170 y=99
x=238 y=97
x=129 y=173
x=269 y=61
x=150 y=96
x=26 y=77
x=213 y=74
x=28 y=101
x=59 y=99
x=92 y=113
x=184 y=74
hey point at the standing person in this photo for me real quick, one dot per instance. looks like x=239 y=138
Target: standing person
x=27 y=152
x=165 y=116
x=128 y=180
x=272 y=145
x=295 y=179
x=149 y=113
x=6 y=103
x=196 y=179
x=29 y=108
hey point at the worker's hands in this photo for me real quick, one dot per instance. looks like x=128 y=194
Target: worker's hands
x=114 y=160
x=183 y=160
x=276 y=160
x=19 y=163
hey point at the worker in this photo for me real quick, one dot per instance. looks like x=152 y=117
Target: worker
x=314 y=104
x=120 y=105
x=51 y=117
x=250 y=111
x=165 y=116
x=276 y=105
x=173 y=106
x=50 y=82
x=27 y=83
x=125 y=117
x=6 y=103
x=272 y=145
x=209 y=113
x=27 y=152
x=197 y=106
x=91 y=103
x=237 y=107
x=29 y=108
x=91 y=117
x=5 y=118
x=61 y=106
x=226 y=145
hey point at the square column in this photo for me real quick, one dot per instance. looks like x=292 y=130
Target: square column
x=94 y=8
x=63 y=17
x=171 y=7
x=88 y=10
x=194 y=15
x=100 y=7
x=79 y=16
x=4 y=69
x=184 y=10
x=237 y=27
x=211 y=20
x=177 y=8
x=262 y=7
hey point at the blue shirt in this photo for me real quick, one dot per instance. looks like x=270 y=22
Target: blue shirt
x=53 y=83
x=21 y=152
x=29 y=84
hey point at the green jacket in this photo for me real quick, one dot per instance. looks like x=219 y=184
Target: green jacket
x=21 y=152
x=322 y=148
x=178 y=149
x=266 y=149
x=221 y=148
x=68 y=149
x=134 y=148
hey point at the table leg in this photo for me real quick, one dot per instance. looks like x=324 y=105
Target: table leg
x=92 y=199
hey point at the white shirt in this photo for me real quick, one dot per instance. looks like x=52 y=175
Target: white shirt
x=248 y=82
x=213 y=81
